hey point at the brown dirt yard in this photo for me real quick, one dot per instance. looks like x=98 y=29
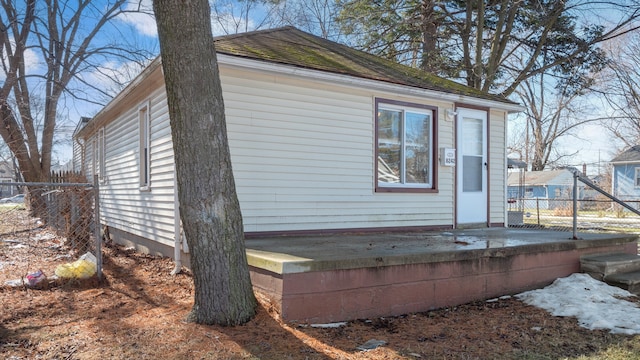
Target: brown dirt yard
x=138 y=313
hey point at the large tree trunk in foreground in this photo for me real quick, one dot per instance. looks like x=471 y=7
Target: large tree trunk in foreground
x=209 y=206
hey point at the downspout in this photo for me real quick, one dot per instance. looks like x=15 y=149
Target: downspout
x=177 y=234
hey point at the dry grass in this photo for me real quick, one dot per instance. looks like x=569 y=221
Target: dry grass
x=563 y=211
x=138 y=313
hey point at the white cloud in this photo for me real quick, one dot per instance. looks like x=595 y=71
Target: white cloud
x=32 y=62
x=140 y=16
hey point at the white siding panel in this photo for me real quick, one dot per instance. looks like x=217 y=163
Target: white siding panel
x=303 y=159
x=498 y=129
x=88 y=154
x=78 y=157
x=149 y=214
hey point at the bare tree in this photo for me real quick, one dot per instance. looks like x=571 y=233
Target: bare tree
x=314 y=16
x=552 y=111
x=622 y=91
x=45 y=48
x=209 y=207
x=232 y=17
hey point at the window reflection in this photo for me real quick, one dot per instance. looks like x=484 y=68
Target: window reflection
x=404 y=146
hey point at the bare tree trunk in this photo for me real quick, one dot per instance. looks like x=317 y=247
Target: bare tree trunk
x=209 y=206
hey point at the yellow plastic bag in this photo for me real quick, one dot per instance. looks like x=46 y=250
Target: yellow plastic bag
x=83 y=268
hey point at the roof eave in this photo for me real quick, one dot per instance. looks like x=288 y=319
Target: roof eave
x=359 y=82
x=95 y=122
x=623 y=162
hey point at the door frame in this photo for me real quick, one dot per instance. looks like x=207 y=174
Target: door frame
x=457 y=141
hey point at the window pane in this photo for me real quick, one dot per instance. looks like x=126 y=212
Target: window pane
x=472 y=173
x=417 y=148
x=389 y=146
x=472 y=137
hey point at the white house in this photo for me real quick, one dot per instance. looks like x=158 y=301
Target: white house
x=323 y=138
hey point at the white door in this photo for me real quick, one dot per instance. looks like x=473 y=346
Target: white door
x=471 y=166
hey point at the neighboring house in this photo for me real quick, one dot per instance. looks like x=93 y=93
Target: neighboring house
x=551 y=186
x=58 y=167
x=516 y=171
x=7 y=175
x=323 y=138
x=625 y=178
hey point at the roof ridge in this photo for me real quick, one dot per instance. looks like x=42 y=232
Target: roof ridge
x=321 y=43
x=253 y=32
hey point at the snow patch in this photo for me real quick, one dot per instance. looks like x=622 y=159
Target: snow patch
x=594 y=303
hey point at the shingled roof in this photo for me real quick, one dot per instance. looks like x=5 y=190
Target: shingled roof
x=631 y=154
x=290 y=46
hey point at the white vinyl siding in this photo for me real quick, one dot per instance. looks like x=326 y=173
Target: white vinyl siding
x=149 y=214
x=98 y=158
x=498 y=162
x=78 y=157
x=89 y=149
x=303 y=159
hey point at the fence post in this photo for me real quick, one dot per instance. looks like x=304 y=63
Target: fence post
x=96 y=211
x=575 y=206
x=538 y=209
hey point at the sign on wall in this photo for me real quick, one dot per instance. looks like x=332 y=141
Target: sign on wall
x=447 y=157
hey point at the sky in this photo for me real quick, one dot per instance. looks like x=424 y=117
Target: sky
x=590 y=145
x=593 y=148
x=142 y=26
x=594 y=304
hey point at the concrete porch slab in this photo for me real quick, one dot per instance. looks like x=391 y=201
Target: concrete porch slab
x=320 y=279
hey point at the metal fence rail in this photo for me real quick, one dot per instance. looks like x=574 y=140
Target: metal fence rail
x=558 y=214
x=47 y=216
x=601 y=213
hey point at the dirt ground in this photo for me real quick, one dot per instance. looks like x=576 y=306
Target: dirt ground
x=138 y=313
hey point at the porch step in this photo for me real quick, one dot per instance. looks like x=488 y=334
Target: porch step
x=600 y=266
x=618 y=269
x=629 y=281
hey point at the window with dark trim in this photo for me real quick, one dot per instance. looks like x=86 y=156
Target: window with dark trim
x=405 y=147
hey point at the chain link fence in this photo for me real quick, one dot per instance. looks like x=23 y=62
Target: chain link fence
x=594 y=215
x=54 y=227
x=581 y=207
